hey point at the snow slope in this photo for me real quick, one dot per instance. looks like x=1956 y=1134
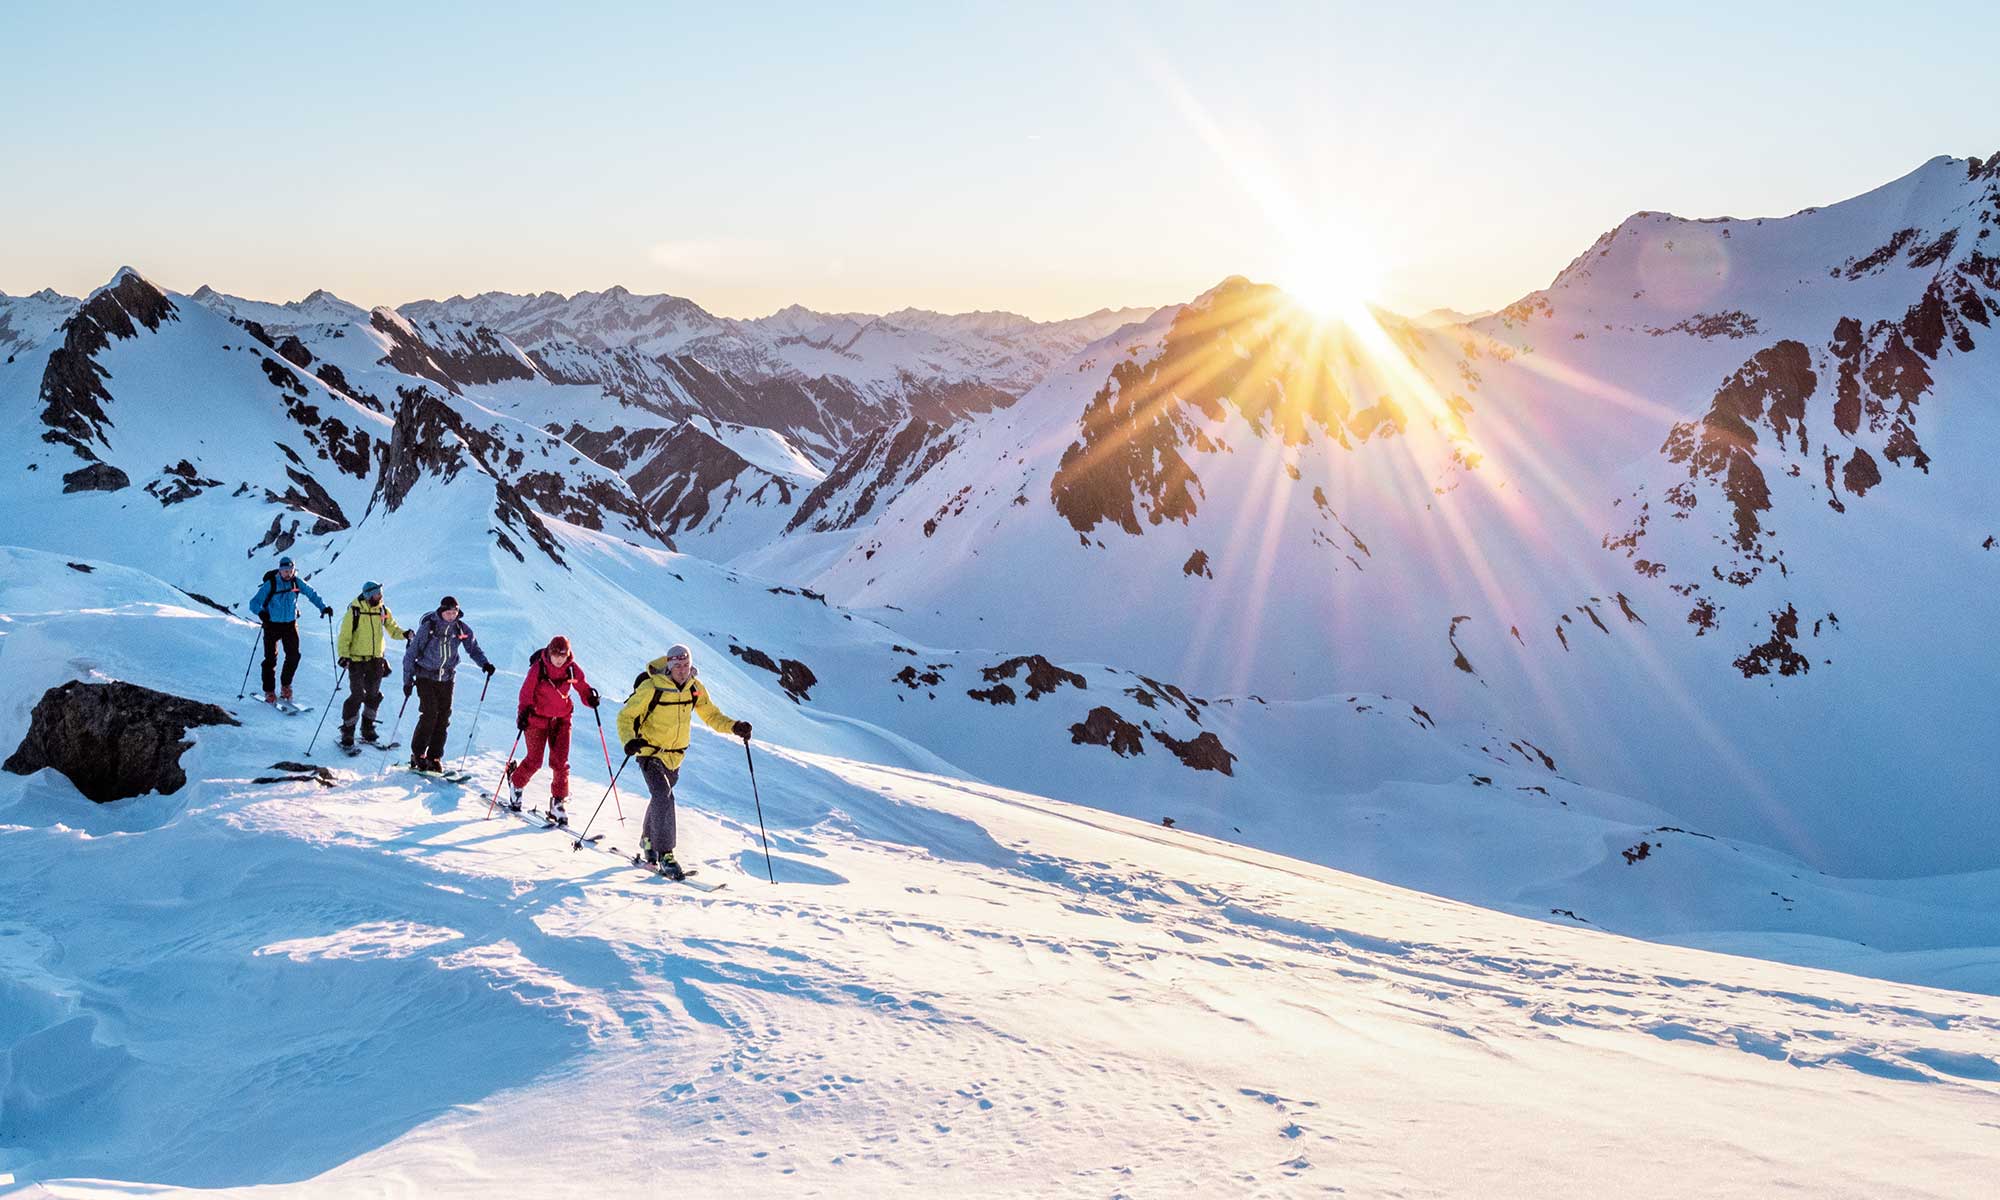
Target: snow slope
x=362 y=986
x=1700 y=520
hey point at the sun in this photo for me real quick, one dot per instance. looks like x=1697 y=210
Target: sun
x=1330 y=277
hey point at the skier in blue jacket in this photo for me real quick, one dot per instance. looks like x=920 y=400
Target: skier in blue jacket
x=430 y=664
x=277 y=604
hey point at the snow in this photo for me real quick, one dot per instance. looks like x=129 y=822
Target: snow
x=371 y=987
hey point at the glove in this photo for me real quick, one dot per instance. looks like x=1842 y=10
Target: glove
x=488 y=668
x=325 y=611
x=521 y=720
x=741 y=729
x=343 y=664
x=407 y=689
x=635 y=745
x=590 y=697
x=382 y=667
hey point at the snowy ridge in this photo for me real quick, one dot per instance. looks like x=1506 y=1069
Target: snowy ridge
x=1557 y=509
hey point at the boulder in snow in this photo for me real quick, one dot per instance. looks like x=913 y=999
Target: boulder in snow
x=112 y=740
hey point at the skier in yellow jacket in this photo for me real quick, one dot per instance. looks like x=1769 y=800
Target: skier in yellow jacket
x=365 y=630
x=655 y=725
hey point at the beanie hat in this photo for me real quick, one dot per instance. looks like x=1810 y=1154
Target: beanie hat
x=371 y=588
x=284 y=562
x=448 y=602
x=558 y=645
x=679 y=651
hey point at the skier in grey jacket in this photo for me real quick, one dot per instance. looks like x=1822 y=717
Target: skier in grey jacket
x=430 y=663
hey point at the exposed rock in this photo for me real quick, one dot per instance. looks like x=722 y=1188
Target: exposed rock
x=999 y=693
x=179 y=482
x=1104 y=727
x=1777 y=652
x=1201 y=753
x=1197 y=564
x=97 y=477
x=1043 y=676
x=112 y=740
x=1772 y=386
x=794 y=676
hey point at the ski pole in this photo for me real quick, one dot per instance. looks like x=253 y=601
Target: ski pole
x=244 y=687
x=600 y=805
x=504 y=775
x=466 y=753
x=399 y=718
x=322 y=716
x=760 y=811
x=331 y=644
x=607 y=763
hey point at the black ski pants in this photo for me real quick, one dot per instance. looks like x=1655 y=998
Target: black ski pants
x=660 y=781
x=286 y=634
x=364 y=693
x=433 y=718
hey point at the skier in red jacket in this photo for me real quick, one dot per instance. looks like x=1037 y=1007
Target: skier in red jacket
x=543 y=719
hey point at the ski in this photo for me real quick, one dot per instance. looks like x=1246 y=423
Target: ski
x=440 y=776
x=536 y=814
x=381 y=745
x=290 y=709
x=687 y=876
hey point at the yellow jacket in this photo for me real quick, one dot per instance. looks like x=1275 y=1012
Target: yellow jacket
x=660 y=712
x=362 y=629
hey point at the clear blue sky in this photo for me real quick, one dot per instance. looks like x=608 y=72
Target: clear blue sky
x=1045 y=159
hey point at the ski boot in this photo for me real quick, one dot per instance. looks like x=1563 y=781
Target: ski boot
x=271 y=697
x=513 y=797
x=285 y=693
x=347 y=738
x=670 y=868
x=369 y=734
x=419 y=763
x=558 y=815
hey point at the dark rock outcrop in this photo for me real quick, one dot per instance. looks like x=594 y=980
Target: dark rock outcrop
x=1104 y=727
x=97 y=477
x=1204 y=752
x=112 y=740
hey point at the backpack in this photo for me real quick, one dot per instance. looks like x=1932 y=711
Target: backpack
x=270 y=583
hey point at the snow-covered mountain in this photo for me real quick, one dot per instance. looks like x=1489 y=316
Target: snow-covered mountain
x=1001 y=350
x=1701 y=513
x=321 y=307
x=27 y=321
x=1288 y=584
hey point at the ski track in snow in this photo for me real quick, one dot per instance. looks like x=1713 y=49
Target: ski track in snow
x=370 y=988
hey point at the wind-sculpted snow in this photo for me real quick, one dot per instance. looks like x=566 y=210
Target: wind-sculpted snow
x=270 y=981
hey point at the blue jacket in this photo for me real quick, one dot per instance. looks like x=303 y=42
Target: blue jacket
x=433 y=649
x=277 y=600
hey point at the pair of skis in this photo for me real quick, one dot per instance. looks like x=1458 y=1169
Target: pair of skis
x=448 y=775
x=286 y=706
x=540 y=820
x=354 y=751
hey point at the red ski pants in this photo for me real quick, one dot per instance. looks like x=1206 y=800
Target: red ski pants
x=552 y=734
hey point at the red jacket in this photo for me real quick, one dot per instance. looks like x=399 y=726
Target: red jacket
x=545 y=692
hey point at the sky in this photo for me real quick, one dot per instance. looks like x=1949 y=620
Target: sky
x=1044 y=159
